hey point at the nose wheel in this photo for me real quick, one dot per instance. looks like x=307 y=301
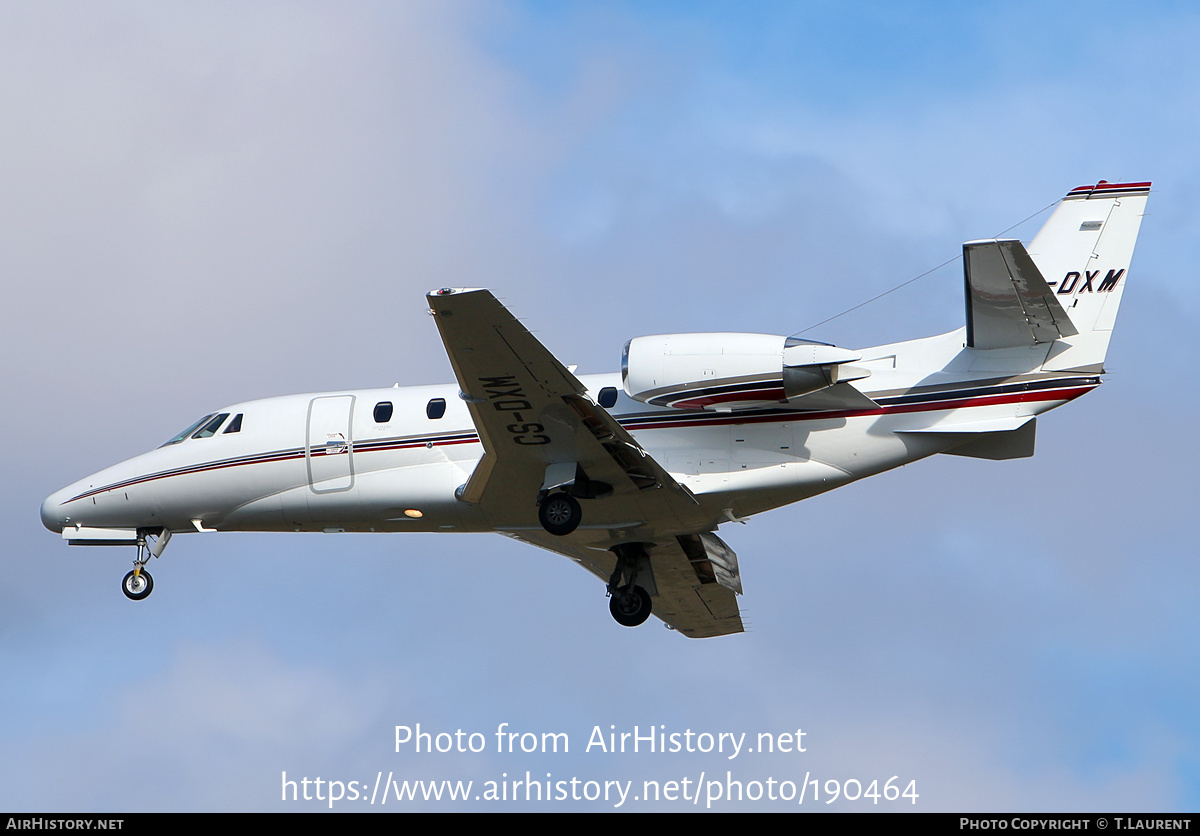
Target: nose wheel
x=137 y=585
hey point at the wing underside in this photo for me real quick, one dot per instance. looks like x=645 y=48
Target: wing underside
x=542 y=432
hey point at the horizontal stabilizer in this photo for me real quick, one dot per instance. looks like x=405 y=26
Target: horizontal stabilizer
x=1009 y=303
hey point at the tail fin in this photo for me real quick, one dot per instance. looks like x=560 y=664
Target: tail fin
x=1083 y=252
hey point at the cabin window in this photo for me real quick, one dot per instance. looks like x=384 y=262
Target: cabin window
x=383 y=412
x=436 y=408
x=211 y=427
x=191 y=429
x=608 y=397
x=235 y=426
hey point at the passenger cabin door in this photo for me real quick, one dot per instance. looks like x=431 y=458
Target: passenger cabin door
x=329 y=452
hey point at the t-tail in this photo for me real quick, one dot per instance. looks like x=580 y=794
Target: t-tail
x=1065 y=289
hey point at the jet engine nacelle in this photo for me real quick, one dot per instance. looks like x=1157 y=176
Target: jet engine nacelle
x=727 y=371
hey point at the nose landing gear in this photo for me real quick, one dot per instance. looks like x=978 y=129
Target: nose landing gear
x=138 y=584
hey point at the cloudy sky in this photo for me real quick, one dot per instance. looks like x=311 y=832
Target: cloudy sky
x=213 y=202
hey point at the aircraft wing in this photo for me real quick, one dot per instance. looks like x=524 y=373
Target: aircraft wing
x=538 y=426
x=1009 y=303
x=540 y=431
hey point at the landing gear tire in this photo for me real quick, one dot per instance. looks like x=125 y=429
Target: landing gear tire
x=560 y=514
x=137 y=587
x=630 y=607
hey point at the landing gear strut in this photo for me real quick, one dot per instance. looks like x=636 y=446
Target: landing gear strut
x=629 y=603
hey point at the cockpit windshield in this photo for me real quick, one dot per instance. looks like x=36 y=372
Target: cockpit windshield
x=210 y=429
x=191 y=429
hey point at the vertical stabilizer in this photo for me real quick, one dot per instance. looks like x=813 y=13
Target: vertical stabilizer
x=1084 y=252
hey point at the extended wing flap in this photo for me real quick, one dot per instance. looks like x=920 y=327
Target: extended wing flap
x=698 y=608
x=1009 y=303
x=698 y=583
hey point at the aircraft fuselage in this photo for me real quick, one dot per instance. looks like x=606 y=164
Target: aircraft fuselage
x=323 y=462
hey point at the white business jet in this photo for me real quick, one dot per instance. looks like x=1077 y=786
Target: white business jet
x=631 y=475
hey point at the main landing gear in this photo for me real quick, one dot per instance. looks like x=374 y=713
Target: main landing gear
x=629 y=603
x=560 y=514
x=138 y=584
x=558 y=501
x=630 y=607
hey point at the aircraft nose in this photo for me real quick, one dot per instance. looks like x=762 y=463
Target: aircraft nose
x=54 y=513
